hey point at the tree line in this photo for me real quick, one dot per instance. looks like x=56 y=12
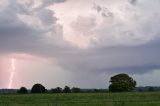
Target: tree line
x=118 y=83
x=39 y=88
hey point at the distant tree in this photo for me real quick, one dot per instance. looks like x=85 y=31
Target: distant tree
x=96 y=90
x=38 y=88
x=66 y=89
x=151 y=89
x=56 y=90
x=76 y=90
x=122 y=83
x=23 y=90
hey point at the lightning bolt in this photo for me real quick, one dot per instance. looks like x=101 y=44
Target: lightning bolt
x=13 y=68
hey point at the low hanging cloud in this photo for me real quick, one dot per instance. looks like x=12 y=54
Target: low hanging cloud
x=109 y=36
x=25 y=28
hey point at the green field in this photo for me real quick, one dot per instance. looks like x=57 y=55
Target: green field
x=82 y=99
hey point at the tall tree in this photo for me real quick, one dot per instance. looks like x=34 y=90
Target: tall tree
x=66 y=89
x=76 y=90
x=122 y=83
x=38 y=88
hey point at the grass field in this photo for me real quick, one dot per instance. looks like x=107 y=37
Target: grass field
x=82 y=99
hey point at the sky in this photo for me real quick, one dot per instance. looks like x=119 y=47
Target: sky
x=79 y=43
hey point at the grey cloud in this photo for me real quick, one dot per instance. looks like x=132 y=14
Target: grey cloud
x=107 y=14
x=48 y=2
x=18 y=37
x=133 y=1
x=134 y=60
x=97 y=8
x=110 y=59
x=103 y=11
x=46 y=20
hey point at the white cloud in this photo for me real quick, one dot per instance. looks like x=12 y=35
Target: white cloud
x=116 y=22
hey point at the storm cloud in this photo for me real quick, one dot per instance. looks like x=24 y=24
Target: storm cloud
x=94 y=37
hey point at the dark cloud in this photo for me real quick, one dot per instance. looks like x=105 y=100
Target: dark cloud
x=45 y=39
x=18 y=36
x=130 y=59
x=103 y=11
x=97 y=8
x=133 y=1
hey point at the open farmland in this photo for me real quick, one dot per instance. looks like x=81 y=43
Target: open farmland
x=82 y=99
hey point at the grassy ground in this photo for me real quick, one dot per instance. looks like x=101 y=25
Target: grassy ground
x=86 y=99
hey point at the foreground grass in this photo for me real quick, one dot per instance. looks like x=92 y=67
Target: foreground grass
x=82 y=99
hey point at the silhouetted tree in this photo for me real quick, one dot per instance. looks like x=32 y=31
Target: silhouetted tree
x=66 y=89
x=122 y=83
x=38 y=88
x=56 y=90
x=76 y=90
x=22 y=90
x=96 y=90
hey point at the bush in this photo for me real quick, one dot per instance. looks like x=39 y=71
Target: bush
x=56 y=90
x=151 y=89
x=76 y=90
x=23 y=90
